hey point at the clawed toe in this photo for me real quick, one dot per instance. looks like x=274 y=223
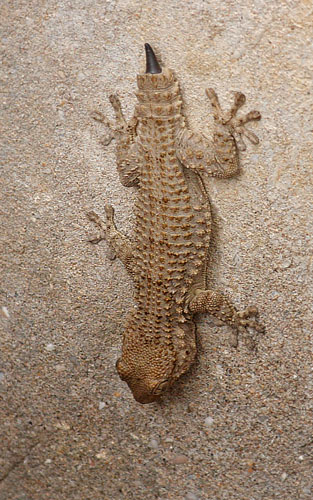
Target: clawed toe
x=103 y=227
x=211 y=94
x=109 y=211
x=239 y=141
x=239 y=101
x=120 y=120
x=114 y=100
x=116 y=104
x=99 y=117
x=246 y=320
x=249 y=117
x=240 y=128
x=217 y=111
x=251 y=323
x=250 y=135
x=248 y=339
x=249 y=311
x=93 y=217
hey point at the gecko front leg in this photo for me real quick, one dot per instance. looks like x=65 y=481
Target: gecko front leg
x=120 y=245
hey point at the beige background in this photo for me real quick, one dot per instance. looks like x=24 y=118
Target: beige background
x=239 y=425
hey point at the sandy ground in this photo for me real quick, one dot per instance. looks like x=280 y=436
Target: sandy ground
x=239 y=425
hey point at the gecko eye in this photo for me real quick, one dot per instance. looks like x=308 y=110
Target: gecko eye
x=161 y=387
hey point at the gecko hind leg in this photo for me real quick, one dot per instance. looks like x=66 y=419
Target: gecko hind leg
x=216 y=304
x=125 y=133
x=219 y=157
x=109 y=135
x=229 y=119
x=120 y=122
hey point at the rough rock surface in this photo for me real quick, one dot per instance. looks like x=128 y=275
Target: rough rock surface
x=238 y=425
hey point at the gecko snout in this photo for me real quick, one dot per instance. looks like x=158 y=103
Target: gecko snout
x=146 y=392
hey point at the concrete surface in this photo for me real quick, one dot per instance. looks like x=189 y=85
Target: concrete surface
x=239 y=425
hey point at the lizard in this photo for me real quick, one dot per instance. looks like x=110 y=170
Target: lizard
x=158 y=154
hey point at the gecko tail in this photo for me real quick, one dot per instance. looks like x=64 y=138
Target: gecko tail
x=152 y=65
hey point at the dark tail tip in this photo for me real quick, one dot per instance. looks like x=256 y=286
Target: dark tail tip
x=151 y=61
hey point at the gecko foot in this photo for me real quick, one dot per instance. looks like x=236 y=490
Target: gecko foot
x=103 y=228
x=109 y=135
x=245 y=320
x=218 y=305
x=121 y=128
x=229 y=119
x=111 y=129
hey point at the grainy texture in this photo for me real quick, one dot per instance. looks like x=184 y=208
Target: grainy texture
x=235 y=426
x=168 y=256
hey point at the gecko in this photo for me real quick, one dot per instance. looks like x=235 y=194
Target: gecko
x=167 y=257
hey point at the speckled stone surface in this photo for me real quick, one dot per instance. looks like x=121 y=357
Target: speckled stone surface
x=239 y=425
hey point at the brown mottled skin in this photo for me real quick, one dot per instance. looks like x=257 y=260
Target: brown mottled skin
x=167 y=257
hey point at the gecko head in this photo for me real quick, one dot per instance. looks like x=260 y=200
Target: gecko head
x=146 y=384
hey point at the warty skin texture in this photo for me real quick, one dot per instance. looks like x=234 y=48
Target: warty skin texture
x=167 y=257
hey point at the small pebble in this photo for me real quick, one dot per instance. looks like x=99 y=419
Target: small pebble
x=5 y=311
x=208 y=421
x=191 y=496
x=101 y=454
x=62 y=425
x=179 y=459
x=48 y=461
x=262 y=418
x=285 y=264
x=59 y=368
x=134 y=436
x=74 y=359
x=81 y=76
x=50 y=347
x=153 y=443
x=101 y=405
x=284 y=476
